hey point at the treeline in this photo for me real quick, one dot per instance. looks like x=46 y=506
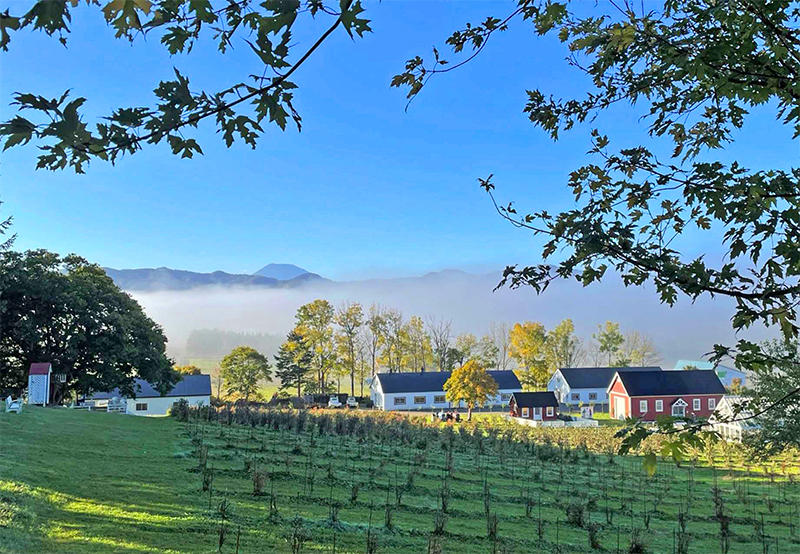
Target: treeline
x=329 y=347
x=216 y=343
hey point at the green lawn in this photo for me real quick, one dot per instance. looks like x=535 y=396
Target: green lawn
x=74 y=481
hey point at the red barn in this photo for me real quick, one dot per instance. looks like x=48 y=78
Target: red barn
x=647 y=395
x=539 y=406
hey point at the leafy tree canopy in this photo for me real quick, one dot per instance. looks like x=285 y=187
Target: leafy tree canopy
x=472 y=384
x=239 y=110
x=68 y=312
x=188 y=369
x=242 y=370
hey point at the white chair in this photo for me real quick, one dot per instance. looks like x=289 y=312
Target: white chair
x=13 y=405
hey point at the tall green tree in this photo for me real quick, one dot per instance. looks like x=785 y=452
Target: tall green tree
x=349 y=317
x=693 y=70
x=293 y=362
x=243 y=369
x=528 y=347
x=609 y=341
x=375 y=335
x=68 y=312
x=314 y=322
x=467 y=346
x=57 y=125
x=778 y=373
x=563 y=347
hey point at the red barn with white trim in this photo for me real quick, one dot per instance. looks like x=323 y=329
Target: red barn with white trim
x=647 y=395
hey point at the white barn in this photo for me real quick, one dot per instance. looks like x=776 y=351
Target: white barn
x=575 y=386
x=425 y=391
x=195 y=389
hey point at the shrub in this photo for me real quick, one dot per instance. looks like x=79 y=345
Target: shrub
x=575 y=514
x=180 y=410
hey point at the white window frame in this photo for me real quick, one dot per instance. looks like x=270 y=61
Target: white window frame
x=440 y=399
x=138 y=404
x=643 y=405
x=712 y=404
x=659 y=405
x=420 y=400
x=526 y=413
x=550 y=411
x=696 y=404
x=680 y=403
x=399 y=400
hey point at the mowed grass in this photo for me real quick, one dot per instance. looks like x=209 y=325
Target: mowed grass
x=74 y=481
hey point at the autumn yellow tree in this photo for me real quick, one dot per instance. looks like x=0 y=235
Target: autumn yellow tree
x=528 y=346
x=188 y=369
x=472 y=384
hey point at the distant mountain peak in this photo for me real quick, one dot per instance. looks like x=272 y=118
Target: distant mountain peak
x=282 y=272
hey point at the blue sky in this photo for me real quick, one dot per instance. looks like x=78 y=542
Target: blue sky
x=365 y=189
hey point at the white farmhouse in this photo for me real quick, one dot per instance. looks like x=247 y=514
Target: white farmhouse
x=574 y=386
x=195 y=389
x=425 y=391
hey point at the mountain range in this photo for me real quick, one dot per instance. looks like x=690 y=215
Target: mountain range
x=164 y=278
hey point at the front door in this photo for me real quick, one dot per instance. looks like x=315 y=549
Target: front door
x=537 y=413
x=619 y=407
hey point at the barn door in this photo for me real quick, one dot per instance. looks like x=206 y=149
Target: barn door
x=619 y=407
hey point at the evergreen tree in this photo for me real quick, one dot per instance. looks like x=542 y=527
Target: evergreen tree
x=293 y=362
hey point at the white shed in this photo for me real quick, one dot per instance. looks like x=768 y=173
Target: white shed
x=195 y=389
x=39 y=378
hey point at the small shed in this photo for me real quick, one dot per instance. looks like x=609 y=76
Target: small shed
x=538 y=406
x=39 y=383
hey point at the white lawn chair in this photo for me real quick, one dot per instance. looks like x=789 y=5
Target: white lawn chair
x=13 y=405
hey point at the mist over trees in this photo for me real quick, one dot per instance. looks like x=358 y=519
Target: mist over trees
x=216 y=343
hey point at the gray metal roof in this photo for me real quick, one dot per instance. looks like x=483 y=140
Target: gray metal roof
x=190 y=385
x=597 y=377
x=433 y=381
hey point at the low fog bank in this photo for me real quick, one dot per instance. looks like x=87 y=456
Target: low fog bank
x=684 y=331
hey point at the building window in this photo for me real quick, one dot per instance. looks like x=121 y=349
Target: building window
x=592 y=396
x=696 y=404
x=399 y=400
x=679 y=408
x=526 y=412
x=549 y=411
x=420 y=399
x=439 y=399
x=659 y=405
x=712 y=403
x=643 y=406
x=575 y=396
x=141 y=407
x=505 y=397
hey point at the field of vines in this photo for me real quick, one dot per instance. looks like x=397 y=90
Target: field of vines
x=290 y=481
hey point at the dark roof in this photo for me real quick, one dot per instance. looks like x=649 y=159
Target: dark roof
x=40 y=369
x=671 y=383
x=433 y=381
x=597 y=377
x=534 y=399
x=191 y=385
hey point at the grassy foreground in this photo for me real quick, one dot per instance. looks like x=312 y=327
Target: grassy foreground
x=73 y=481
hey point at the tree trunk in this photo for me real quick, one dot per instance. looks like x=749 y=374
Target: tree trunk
x=469 y=412
x=353 y=382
